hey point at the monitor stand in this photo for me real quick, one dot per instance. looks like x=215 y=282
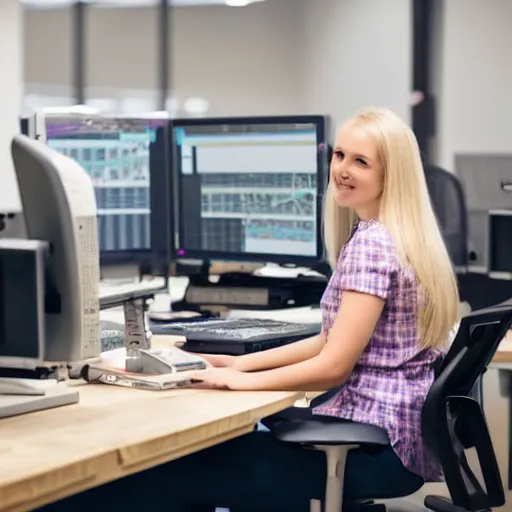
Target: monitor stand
x=137 y=340
x=136 y=336
x=29 y=390
x=243 y=290
x=34 y=398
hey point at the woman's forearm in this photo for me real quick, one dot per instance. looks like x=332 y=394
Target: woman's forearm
x=315 y=374
x=281 y=356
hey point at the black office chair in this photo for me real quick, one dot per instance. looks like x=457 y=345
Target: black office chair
x=452 y=422
x=449 y=203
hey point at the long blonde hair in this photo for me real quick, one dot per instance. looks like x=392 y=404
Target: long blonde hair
x=407 y=213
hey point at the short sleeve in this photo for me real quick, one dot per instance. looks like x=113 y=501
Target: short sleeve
x=369 y=264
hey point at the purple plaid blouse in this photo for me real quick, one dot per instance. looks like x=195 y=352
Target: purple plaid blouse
x=389 y=383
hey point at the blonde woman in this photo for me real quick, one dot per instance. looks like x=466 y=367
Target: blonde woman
x=387 y=312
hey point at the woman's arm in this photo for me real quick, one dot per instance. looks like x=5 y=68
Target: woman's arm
x=366 y=281
x=352 y=329
x=281 y=356
x=328 y=368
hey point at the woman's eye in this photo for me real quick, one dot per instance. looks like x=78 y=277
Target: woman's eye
x=361 y=161
x=338 y=154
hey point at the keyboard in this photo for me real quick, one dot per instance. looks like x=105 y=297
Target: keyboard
x=236 y=336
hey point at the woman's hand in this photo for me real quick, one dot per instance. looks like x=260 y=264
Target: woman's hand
x=221 y=378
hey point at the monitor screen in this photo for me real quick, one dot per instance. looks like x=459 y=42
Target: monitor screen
x=125 y=158
x=250 y=189
x=500 y=248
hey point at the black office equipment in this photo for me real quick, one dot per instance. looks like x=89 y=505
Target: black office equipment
x=485 y=179
x=452 y=423
x=25 y=126
x=236 y=336
x=500 y=244
x=127 y=160
x=249 y=190
x=448 y=201
x=238 y=290
x=22 y=296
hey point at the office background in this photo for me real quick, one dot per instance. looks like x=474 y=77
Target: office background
x=273 y=57
x=276 y=56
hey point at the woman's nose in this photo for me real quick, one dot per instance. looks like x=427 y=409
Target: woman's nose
x=344 y=172
x=341 y=170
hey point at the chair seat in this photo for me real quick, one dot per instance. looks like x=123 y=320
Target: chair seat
x=328 y=431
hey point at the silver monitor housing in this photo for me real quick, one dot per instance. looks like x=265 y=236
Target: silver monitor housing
x=59 y=207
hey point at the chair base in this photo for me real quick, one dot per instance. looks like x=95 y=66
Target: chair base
x=336 y=457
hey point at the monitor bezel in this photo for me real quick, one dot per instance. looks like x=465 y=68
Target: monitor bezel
x=494 y=270
x=155 y=260
x=320 y=123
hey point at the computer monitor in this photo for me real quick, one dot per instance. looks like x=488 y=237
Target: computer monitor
x=485 y=179
x=500 y=248
x=127 y=160
x=249 y=189
x=26 y=126
x=59 y=206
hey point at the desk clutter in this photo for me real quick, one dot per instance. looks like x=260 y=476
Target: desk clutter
x=159 y=369
x=162 y=368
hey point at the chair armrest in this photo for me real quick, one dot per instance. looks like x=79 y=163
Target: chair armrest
x=441 y=504
x=329 y=431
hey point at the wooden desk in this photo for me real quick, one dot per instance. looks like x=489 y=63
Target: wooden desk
x=115 y=431
x=504 y=352
x=502 y=362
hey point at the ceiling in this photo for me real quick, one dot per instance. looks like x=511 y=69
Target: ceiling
x=124 y=3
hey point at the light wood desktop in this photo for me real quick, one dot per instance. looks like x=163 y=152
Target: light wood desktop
x=502 y=362
x=504 y=352
x=113 y=432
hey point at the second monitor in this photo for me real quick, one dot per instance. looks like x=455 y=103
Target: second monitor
x=127 y=160
x=250 y=188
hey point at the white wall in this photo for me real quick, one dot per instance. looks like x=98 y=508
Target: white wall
x=473 y=77
x=243 y=61
x=273 y=57
x=48 y=47
x=359 y=54
x=11 y=85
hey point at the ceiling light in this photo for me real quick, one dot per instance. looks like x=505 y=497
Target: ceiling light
x=197 y=106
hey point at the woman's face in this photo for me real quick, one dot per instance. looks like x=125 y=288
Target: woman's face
x=357 y=175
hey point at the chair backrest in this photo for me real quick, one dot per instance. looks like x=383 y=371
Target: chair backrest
x=453 y=422
x=448 y=201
